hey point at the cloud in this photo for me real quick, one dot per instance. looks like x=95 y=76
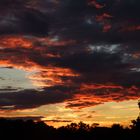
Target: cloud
x=73 y=97
x=83 y=53
x=20 y=19
x=94 y=95
x=81 y=23
x=31 y=98
x=57 y=121
x=34 y=118
x=105 y=74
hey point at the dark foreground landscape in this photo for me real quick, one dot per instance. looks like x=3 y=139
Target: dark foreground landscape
x=30 y=130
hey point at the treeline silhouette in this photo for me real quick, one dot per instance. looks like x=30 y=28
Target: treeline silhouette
x=30 y=130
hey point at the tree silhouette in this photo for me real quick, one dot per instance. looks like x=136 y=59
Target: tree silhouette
x=24 y=130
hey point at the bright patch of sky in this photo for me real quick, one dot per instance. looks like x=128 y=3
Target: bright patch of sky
x=11 y=78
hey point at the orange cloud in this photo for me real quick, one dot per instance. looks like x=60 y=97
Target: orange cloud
x=26 y=66
x=26 y=42
x=91 y=95
x=52 y=76
x=15 y=42
x=99 y=86
x=44 y=76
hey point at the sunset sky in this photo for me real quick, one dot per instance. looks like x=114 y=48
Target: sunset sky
x=64 y=61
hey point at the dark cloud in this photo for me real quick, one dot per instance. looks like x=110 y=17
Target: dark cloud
x=11 y=3
x=57 y=121
x=32 y=98
x=17 y=18
x=101 y=67
x=80 y=21
x=8 y=88
x=35 y=118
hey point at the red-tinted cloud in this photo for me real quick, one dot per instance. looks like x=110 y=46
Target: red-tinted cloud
x=131 y=28
x=95 y=4
x=92 y=95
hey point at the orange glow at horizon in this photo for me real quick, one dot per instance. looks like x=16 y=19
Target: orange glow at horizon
x=104 y=114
